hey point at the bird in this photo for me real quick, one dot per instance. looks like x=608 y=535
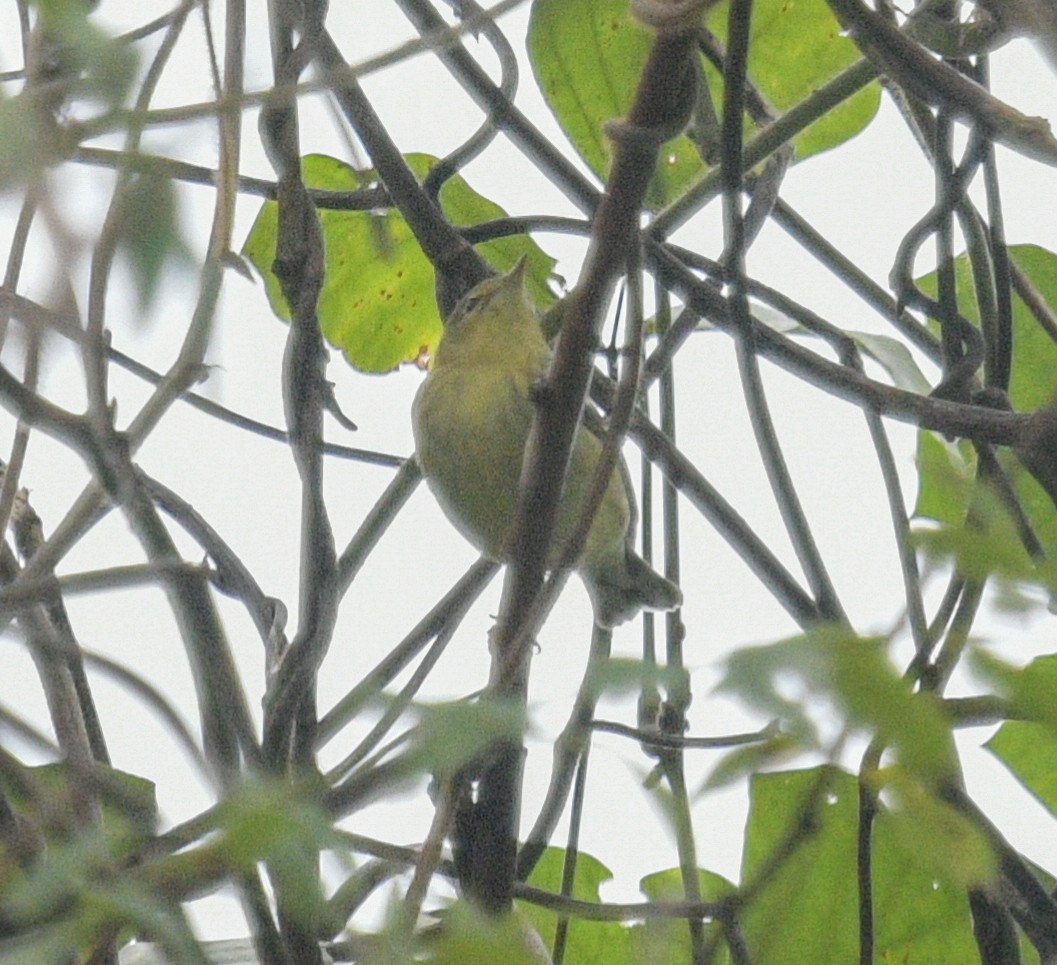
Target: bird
x=471 y=419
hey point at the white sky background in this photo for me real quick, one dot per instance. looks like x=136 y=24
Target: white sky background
x=863 y=197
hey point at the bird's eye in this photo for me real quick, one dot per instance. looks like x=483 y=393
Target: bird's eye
x=465 y=309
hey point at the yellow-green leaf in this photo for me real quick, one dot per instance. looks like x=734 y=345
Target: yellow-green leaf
x=377 y=304
x=587 y=56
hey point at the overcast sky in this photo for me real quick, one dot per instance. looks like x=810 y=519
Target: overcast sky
x=864 y=196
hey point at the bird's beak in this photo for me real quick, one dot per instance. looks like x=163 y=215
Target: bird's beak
x=517 y=273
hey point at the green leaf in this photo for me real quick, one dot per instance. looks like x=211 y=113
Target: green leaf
x=450 y=735
x=1033 y=380
x=946 y=477
x=470 y=937
x=666 y=941
x=285 y=826
x=795 y=47
x=1029 y=751
x=945 y=471
x=1028 y=747
x=623 y=676
x=377 y=304
x=142 y=912
x=752 y=674
x=976 y=529
x=77 y=888
x=76 y=50
x=590 y=875
x=744 y=761
x=127 y=802
x=148 y=231
x=890 y=353
x=56 y=882
x=990 y=546
x=895 y=358
x=587 y=56
x=587 y=942
x=667 y=885
x=853 y=672
x=28 y=142
x=1031 y=690
x=73 y=58
x=808 y=910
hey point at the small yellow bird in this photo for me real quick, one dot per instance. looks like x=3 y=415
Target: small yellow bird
x=471 y=419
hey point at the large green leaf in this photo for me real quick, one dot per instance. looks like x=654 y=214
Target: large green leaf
x=587 y=55
x=79 y=889
x=377 y=304
x=587 y=942
x=937 y=839
x=795 y=47
x=666 y=941
x=657 y=940
x=1033 y=380
x=808 y=910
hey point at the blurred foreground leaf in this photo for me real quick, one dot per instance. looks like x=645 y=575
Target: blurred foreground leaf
x=852 y=673
x=451 y=735
x=469 y=937
x=148 y=231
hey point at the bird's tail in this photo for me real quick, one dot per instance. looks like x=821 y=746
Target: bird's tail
x=619 y=594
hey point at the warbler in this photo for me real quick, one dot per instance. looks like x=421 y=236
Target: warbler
x=471 y=419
